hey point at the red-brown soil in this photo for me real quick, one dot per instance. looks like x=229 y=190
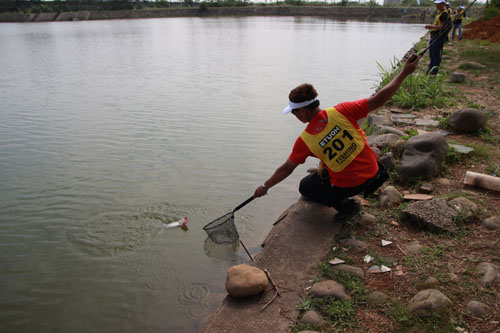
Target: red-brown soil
x=486 y=30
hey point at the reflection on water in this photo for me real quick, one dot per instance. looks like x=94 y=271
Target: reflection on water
x=109 y=129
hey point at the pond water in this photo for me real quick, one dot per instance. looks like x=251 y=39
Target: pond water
x=110 y=128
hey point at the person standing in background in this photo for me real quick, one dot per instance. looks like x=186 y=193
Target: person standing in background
x=457 y=22
x=439 y=31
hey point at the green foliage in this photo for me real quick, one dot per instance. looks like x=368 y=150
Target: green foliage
x=444 y=123
x=410 y=323
x=418 y=90
x=491 y=11
x=453 y=156
x=411 y=132
x=203 y=8
x=488 y=55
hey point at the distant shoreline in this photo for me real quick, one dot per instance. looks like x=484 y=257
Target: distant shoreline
x=398 y=14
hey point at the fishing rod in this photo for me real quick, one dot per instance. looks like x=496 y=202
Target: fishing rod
x=444 y=29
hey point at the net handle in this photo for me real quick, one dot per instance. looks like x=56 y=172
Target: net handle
x=243 y=204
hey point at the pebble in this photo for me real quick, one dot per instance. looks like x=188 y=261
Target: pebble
x=377 y=297
x=477 y=309
x=492 y=223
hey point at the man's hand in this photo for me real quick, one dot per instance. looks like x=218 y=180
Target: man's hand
x=260 y=191
x=410 y=65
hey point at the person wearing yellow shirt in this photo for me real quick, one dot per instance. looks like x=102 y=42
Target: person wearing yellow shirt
x=457 y=22
x=438 y=30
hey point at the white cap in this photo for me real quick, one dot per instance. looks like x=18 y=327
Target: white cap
x=461 y=7
x=439 y=1
x=293 y=105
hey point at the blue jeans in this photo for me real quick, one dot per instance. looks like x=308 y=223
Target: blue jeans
x=455 y=26
x=435 y=51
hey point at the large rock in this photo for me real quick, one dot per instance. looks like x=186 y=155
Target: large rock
x=488 y=273
x=382 y=140
x=467 y=120
x=328 y=288
x=428 y=302
x=375 y=119
x=423 y=156
x=464 y=206
x=432 y=214
x=244 y=280
x=390 y=197
x=380 y=129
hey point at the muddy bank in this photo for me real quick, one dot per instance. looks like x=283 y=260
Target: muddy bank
x=396 y=14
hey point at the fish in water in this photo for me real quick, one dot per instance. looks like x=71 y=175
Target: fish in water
x=181 y=223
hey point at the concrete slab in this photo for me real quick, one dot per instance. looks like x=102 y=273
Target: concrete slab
x=291 y=254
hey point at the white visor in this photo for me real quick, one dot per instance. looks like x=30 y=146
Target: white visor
x=293 y=105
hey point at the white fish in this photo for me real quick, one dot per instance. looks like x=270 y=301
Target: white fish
x=181 y=223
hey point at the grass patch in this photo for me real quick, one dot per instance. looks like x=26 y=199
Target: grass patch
x=418 y=90
x=487 y=55
x=410 y=323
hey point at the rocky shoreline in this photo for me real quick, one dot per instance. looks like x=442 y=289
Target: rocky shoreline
x=424 y=255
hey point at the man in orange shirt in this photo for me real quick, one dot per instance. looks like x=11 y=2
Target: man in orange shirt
x=334 y=137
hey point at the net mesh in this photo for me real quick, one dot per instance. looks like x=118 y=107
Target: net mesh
x=222 y=230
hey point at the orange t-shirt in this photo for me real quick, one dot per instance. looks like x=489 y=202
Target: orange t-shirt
x=362 y=168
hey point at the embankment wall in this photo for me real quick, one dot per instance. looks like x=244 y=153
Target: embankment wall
x=340 y=12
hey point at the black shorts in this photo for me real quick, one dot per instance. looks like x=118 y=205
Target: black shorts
x=321 y=190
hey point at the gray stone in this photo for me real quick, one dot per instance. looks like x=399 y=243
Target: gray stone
x=403 y=116
x=426 y=188
x=467 y=120
x=380 y=129
x=423 y=156
x=354 y=244
x=428 y=302
x=328 y=288
x=427 y=122
x=457 y=77
x=244 y=280
x=492 y=223
x=388 y=161
x=489 y=273
x=390 y=197
x=477 y=309
x=461 y=149
x=464 y=206
x=314 y=318
x=375 y=119
x=414 y=247
x=349 y=269
x=444 y=132
x=434 y=214
x=382 y=140
x=377 y=298
x=431 y=281
x=367 y=219
x=404 y=121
